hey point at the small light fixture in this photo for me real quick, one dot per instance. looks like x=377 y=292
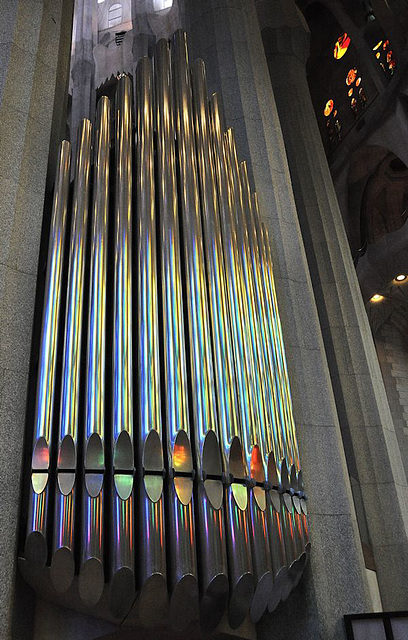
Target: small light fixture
x=376 y=298
x=401 y=277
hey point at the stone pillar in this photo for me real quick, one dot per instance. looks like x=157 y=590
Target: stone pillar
x=226 y=34
x=373 y=455
x=85 y=37
x=34 y=56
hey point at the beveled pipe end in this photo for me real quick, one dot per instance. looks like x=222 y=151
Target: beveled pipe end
x=62 y=569
x=261 y=597
x=282 y=585
x=297 y=571
x=91 y=582
x=122 y=592
x=184 y=603
x=240 y=601
x=213 y=603
x=153 y=601
x=35 y=551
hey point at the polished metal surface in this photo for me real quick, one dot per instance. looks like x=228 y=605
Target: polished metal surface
x=180 y=492
x=122 y=552
x=36 y=550
x=62 y=561
x=236 y=496
x=212 y=542
x=152 y=565
x=91 y=573
x=263 y=419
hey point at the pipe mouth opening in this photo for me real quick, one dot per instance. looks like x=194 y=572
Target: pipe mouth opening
x=293 y=478
x=300 y=483
x=67 y=454
x=182 y=459
x=212 y=466
x=236 y=460
x=123 y=452
x=153 y=453
x=273 y=475
x=41 y=455
x=94 y=457
x=285 y=475
x=257 y=467
x=212 y=463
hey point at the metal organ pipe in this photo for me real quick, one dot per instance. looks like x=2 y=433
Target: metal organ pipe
x=36 y=548
x=62 y=562
x=236 y=494
x=91 y=574
x=263 y=418
x=213 y=551
x=122 y=569
x=152 y=573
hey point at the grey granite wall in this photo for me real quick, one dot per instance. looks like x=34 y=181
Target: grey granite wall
x=368 y=434
x=35 y=36
x=226 y=34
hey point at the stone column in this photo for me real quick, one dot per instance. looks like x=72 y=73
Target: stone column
x=85 y=37
x=34 y=56
x=226 y=34
x=373 y=455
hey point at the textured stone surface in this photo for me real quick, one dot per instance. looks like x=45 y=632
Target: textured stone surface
x=227 y=36
x=30 y=57
x=368 y=433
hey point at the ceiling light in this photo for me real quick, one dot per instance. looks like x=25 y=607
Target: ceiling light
x=401 y=277
x=376 y=298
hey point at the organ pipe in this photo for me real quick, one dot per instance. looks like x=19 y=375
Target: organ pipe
x=36 y=549
x=63 y=562
x=91 y=575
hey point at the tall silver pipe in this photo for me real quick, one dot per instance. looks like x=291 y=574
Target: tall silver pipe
x=152 y=565
x=122 y=569
x=236 y=495
x=185 y=572
x=91 y=573
x=273 y=439
x=261 y=427
x=62 y=562
x=36 y=542
x=177 y=427
x=282 y=581
x=214 y=580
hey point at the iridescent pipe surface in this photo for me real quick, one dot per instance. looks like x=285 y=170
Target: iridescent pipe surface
x=91 y=574
x=152 y=572
x=122 y=572
x=178 y=450
x=36 y=544
x=204 y=411
x=273 y=437
x=263 y=424
x=236 y=495
x=214 y=580
x=62 y=563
